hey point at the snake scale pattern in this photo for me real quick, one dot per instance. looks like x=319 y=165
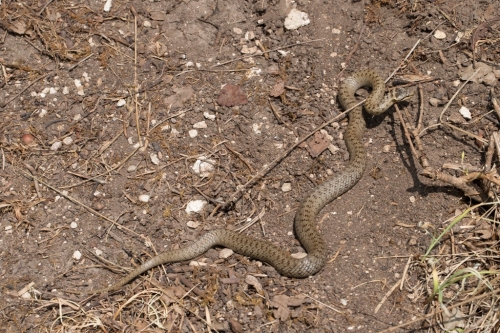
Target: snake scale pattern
x=305 y=219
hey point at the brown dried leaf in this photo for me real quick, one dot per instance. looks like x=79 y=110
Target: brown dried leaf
x=318 y=143
x=18 y=27
x=182 y=94
x=231 y=95
x=279 y=302
x=278 y=89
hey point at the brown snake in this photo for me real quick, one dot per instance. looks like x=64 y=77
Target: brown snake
x=305 y=225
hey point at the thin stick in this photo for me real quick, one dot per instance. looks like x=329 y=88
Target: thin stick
x=386 y=296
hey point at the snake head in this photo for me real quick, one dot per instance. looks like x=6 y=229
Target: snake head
x=401 y=94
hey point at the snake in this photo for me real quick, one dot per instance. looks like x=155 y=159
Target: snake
x=305 y=219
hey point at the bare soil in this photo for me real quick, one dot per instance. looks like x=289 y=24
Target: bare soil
x=169 y=72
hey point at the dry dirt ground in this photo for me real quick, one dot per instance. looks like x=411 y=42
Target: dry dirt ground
x=82 y=89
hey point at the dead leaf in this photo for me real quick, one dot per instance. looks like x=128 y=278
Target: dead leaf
x=182 y=94
x=231 y=95
x=254 y=282
x=453 y=319
x=279 y=302
x=18 y=27
x=297 y=300
x=318 y=143
x=278 y=89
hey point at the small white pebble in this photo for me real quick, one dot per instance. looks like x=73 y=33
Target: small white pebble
x=79 y=87
x=209 y=116
x=26 y=295
x=249 y=35
x=65 y=91
x=68 y=140
x=195 y=206
x=438 y=34
x=193 y=224
x=154 y=159
x=98 y=252
x=56 y=145
x=121 y=102
x=256 y=128
x=465 y=113
x=386 y=148
x=225 y=253
x=42 y=113
x=237 y=31
x=73 y=225
x=52 y=90
x=77 y=117
x=412 y=199
x=77 y=255
x=192 y=133
x=132 y=168
x=146 y=24
x=200 y=124
x=286 y=187
x=144 y=198
x=343 y=302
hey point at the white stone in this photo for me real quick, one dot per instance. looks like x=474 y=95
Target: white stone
x=65 y=91
x=132 y=168
x=208 y=116
x=98 y=252
x=256 y=128
x=201 y=124
x=107 y=6
x=249 y=35
x=438 y=34
x=79 y=87
x=195 y=206
x=192 y=133
x=121 y=102
x=465 y=113
x=68 y=140
x=225 y=253
x=286 y=187
x=146 y=24
x=42 y=113
x=144 y=198
x=296 y=19
x=56 y=145
x=154 y=159
x=237 y=31
x=412 y=199
x=73 y=225
x=77 y=255
x=193 y=224
x=203 y=166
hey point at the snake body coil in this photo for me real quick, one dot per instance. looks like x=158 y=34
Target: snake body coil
x=305 y=225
